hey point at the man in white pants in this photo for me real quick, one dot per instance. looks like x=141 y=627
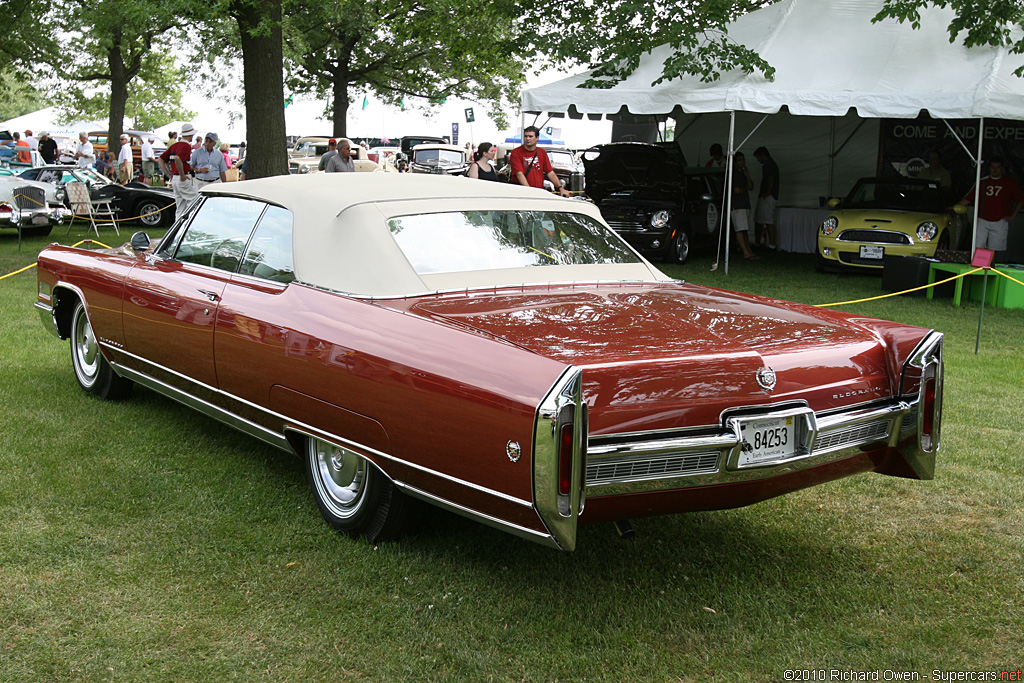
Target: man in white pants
x=174 y=162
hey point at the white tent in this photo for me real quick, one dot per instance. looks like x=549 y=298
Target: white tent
x=831 y=61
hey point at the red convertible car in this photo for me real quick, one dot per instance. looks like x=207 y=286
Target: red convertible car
x=491 y=349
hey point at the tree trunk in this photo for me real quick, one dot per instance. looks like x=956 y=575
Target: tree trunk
x=259 y=24
x=118 y=96
x=340 y=107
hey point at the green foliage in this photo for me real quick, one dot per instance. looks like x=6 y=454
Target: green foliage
x=980 y=22
x=611 y=36
x=17 y=96
x=153 y=100
x=399 y=49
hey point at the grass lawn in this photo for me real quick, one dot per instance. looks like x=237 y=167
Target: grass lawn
x=140 y=541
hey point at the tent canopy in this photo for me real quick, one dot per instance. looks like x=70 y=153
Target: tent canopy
x=883 y=70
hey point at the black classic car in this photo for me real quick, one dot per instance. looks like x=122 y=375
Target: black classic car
x=648 y=194
x=154 y=206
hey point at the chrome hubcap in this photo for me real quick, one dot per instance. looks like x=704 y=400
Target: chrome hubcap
x=339 y=476
x=86 y=348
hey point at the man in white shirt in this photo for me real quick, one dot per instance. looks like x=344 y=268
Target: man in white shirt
x=32 y=141
x=85 y=156
x=148 y=160
x=342 y=161
x=125 y=164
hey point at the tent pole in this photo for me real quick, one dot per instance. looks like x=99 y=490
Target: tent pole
x=977 y=184
x=831 y=152
x=752 y=131
x=727 y=218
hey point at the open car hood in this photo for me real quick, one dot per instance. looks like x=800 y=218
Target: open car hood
x=648 y=169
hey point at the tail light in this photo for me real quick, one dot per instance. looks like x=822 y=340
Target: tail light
x=921 y=381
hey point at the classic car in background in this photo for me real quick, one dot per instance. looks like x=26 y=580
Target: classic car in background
x=136 y=137
x=488 y=348
x=154 y=206
x=439 y=159
x=896 y=216
x=360 y=159
x=304 y=147
x=651 y=197
x=33 y=206
x=563 y=161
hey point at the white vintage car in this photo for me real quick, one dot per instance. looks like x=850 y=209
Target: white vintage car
x=311 y=163
x=32 y=206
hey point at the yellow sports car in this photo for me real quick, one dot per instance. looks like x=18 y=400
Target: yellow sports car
x=896 y=216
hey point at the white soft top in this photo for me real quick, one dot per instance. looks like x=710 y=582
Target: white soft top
x=341 y=240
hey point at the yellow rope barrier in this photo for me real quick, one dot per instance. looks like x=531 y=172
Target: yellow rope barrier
x=85 y=218
x=30 y=267
x=906 y=291
x=1008 y=277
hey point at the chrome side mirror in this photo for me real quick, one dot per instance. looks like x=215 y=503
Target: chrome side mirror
x=140 y=241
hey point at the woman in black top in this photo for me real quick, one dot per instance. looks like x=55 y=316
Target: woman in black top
x=483 y=171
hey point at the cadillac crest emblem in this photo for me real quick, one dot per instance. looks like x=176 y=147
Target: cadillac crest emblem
x=513 y=451
x=766 y=379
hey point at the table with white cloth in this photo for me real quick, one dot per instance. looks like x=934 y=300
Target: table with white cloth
x=796 y=229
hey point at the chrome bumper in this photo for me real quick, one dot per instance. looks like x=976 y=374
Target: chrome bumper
x=32 y=218
x=619 y=465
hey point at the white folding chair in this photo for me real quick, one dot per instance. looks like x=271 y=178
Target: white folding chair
x=82 y=206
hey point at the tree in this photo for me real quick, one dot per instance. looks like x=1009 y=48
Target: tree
x=16 y=96
x=111 y=44
x=982 y=22
x=396 y=49
x=610 y=36
x=259 y=28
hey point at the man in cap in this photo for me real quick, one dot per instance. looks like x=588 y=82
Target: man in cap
x=332 y=149
x=148 y=159
x=174 y=162
x=47 y=148
x=208 y=162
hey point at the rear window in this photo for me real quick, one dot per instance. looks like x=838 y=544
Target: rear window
x=485 y=240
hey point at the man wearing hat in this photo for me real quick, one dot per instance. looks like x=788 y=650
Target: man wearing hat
x=332 y=149
x=47 y=148
x=174 y=162
x=208 y=162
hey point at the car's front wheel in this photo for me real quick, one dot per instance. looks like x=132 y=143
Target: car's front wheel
x=37 y=231
x=150 y=213
x=92 y=370
x=353 y=495
x=679 y=250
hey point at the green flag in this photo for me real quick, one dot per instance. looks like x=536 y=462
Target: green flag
x=403 y=104
x=366 y=101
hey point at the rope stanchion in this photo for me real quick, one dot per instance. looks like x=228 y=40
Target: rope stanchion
x=906 y=291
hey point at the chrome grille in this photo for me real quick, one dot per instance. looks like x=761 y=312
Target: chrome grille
x=28 y=197
x=652 y=468
x=909 y=421
x=862 y=433
x=626 y=225
x=875 y=236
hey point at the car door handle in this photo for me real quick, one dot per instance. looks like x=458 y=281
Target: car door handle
x=212 y=296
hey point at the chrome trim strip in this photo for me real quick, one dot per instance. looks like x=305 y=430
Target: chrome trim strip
x=482 y=288
x=876 y=424
x=515 y=529
x=215 y=410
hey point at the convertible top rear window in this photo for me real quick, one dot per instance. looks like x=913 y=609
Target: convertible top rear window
x=484 y=240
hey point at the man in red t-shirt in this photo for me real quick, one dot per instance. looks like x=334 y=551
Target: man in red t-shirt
x=1000 y=204
x=174 y=162
x=530 y=164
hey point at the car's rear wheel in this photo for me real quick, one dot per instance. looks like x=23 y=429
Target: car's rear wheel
x=150 y=214
x=353 y=495
x=92 y=370
x=679 y=250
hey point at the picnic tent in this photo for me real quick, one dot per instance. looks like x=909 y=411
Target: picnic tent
x=837 y=74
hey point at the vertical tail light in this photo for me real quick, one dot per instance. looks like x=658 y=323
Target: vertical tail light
x=928 y=408
x=565 y=456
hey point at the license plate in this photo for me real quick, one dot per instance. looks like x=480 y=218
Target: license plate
x=766 y=440
x=39 y=219
x=871 y=251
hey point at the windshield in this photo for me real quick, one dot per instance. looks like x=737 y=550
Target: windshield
x=899 y=196
x=486 y=240
x=435 y=156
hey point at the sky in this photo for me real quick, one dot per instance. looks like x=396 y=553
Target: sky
x=304 y=117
